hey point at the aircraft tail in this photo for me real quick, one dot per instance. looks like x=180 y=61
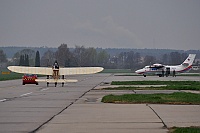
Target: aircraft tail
x=189 y=60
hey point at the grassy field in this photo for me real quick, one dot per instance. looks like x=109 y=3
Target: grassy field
x=10 y=76
x=185 y=130
x=170 y=85
x=155 y=83
x=174 y=98
x=134 y=74
x=5 y=74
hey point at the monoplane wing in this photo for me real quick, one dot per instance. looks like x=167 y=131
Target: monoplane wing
x=49 y=71
x=79 y=70
x=31 y=70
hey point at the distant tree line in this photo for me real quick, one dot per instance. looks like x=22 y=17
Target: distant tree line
x=3 y=58
x=24 y=60
x=37 y=59
x=81 y=56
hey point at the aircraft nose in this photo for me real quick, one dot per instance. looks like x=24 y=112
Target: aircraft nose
x=137 y=71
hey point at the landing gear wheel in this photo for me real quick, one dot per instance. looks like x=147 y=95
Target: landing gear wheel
x=55 y=84
x=63 y=77
x=144 y=75
x=47 y=82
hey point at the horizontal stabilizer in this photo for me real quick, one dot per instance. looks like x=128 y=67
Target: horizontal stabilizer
x=56 y=80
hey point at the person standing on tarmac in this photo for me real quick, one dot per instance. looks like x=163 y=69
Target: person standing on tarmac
x=174 y=73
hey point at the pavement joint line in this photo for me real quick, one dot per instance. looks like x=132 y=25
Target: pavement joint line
x=165 y=126
x=134 y=91
x=105 y=78
x=37 y=129
x=26 y=94
x=40 y=126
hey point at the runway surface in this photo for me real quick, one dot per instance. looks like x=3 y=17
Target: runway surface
x=76 y=107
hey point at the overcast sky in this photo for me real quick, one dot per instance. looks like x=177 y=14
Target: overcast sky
x=163 y=24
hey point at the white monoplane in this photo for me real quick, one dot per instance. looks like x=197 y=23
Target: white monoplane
x=55 y=74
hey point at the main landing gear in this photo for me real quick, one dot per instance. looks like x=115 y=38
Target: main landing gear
x=47 y=82
x=58 y=81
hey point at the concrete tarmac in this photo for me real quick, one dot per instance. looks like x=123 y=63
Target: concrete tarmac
x=77 y=108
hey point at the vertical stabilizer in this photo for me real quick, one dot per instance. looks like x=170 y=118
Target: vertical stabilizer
x=189 y=60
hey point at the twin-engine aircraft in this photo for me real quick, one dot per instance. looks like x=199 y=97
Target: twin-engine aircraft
x=55 y=74
x=161 y=70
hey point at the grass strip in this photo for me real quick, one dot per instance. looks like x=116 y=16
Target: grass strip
x=169 y=87
x=181 y=87
x=10 y=76
x=134 y=74
x=155 y=83
x=185 y=130
x=174 y=98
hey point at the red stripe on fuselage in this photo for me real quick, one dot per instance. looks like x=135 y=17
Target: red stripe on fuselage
x=186 y=69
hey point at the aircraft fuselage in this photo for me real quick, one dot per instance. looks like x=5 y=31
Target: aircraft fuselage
x=161 y=70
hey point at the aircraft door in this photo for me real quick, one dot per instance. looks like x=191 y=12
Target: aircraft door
x=167 y=71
